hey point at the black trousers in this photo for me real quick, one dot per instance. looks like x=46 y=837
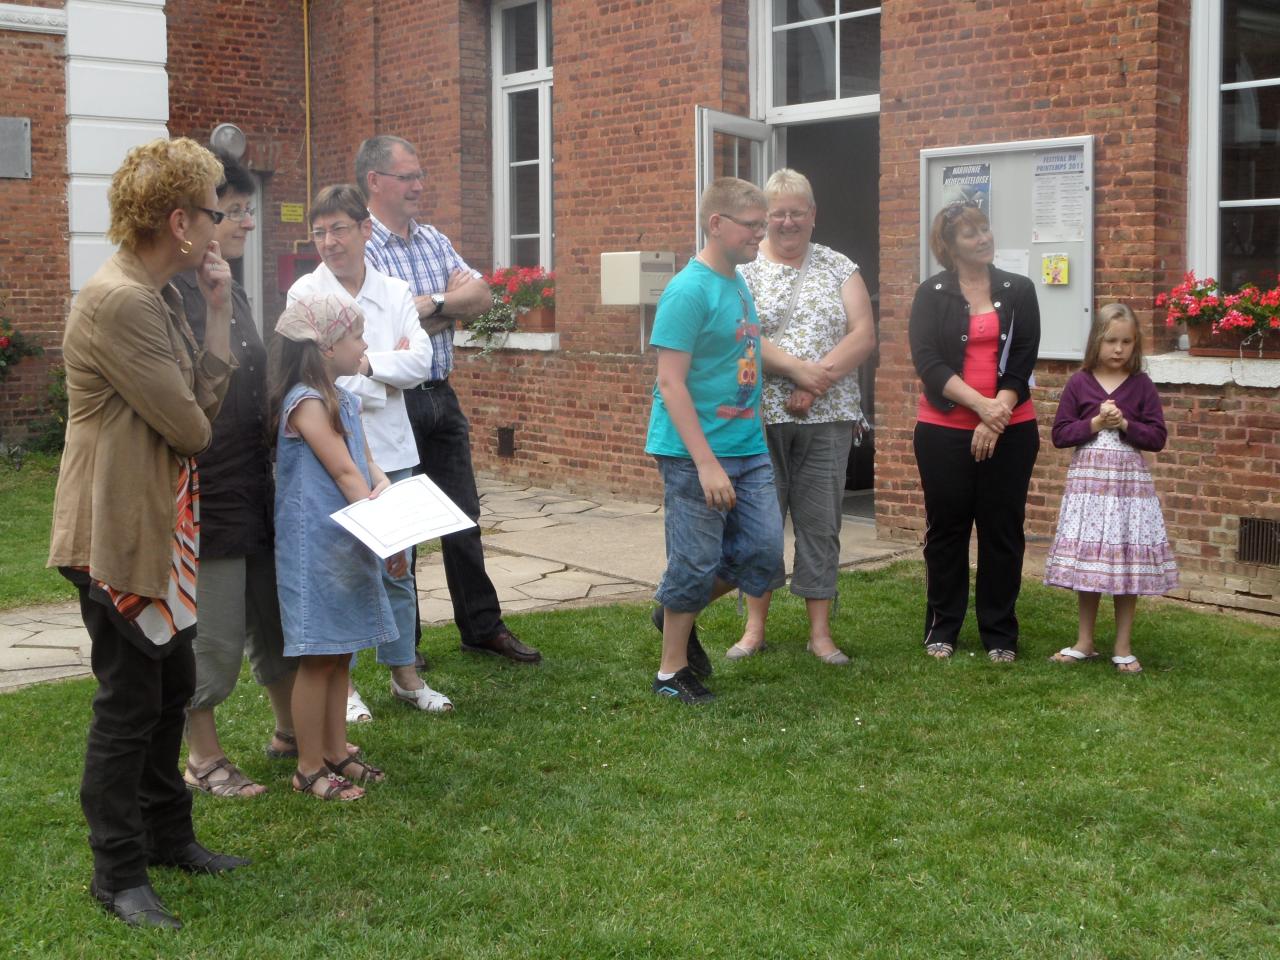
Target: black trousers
x=132 y=794
x=960 y=492
x=443 y=436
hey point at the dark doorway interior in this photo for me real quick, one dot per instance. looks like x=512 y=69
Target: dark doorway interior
x=841 y=158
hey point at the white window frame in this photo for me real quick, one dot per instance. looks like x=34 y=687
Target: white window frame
x=841 y=107
x=1204 y=152
x=539 y=79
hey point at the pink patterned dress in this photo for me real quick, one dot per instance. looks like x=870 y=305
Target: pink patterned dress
x=1111 y=536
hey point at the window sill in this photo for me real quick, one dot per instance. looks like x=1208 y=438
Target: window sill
x=1181 y=367
x=515 y=340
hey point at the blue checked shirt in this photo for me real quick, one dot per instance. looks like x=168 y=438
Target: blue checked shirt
x=424 y=261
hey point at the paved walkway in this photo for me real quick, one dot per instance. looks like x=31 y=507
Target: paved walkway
x=543 y=550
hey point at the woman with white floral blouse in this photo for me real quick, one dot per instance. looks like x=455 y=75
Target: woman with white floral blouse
x=812 y=304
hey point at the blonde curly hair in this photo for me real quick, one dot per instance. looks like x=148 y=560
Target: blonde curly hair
x=155 y=179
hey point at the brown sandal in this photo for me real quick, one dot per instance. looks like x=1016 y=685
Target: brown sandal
x=336 y=789
x=290 y=752
x=233 y=784
x=368 y=772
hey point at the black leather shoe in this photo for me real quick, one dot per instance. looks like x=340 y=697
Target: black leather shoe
x=194 y=858
x=699 y=662
x=504 y=643
x=136 y=906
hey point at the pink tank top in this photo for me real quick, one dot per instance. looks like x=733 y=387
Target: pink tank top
x=981 y=371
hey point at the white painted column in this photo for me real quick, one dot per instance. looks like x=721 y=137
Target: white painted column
x=117 y=97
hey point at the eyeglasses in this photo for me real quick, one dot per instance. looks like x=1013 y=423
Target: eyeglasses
x=952 y=212
x=338 y=231
x=417 y=176
x=238 y=214
x=217 y=215
x=780 y=216
x=755 y=226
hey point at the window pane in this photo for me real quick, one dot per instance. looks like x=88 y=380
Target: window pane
x=795 y=11
x=550 y=46
x=1251 y=144
x=1250 y=40
x=734 y=157
x=522 y=107
x=859 y=56
x=524 y=199
x=804 y=64
x=524 y=252
x=1250 y=246
x=520 y=38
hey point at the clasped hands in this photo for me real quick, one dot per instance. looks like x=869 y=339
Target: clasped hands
x=994 y=414
x=1109 y=417
x=812 y=379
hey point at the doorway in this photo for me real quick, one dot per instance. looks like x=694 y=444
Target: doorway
x=841 y=158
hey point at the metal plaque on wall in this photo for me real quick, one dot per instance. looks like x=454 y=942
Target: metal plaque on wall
x=15 y=147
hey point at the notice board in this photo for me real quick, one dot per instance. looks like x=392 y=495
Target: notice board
x=1038 y=195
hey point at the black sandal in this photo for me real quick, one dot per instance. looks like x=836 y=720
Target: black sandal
x=289 y=752
x=368 y=772
x=333 y=791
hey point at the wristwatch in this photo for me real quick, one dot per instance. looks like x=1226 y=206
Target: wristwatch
x=438 y=300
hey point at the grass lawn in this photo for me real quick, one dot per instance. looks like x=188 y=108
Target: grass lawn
x=26 y=514
x=898 y=808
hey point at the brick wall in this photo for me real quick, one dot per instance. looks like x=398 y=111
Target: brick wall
x=241 y=62
x=959 y=73
x=34 y=267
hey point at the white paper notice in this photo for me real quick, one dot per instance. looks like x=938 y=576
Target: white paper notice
x=409 y=512
x=1013 y=261
x=1058 y=197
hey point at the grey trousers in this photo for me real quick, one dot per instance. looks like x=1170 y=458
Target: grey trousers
x=809 y=464
x=238 y=611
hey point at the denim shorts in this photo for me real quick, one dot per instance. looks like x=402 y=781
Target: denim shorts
x=742 y=546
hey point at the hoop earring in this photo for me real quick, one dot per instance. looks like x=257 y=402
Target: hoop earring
x=185 y=247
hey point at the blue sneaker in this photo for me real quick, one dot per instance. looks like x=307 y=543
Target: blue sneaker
x=684 y=686
x=698 y=659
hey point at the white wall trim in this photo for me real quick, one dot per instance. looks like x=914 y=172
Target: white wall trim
x=15 y=16
x=1181 y=367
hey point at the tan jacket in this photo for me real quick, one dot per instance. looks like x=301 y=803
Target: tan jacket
x=141 y=393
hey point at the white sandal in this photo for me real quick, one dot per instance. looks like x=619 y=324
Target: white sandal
x=1121 y=662
x=357 y=711
x=424 y=698
x=1071 y=654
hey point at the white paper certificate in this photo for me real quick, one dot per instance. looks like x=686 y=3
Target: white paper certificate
x=406 y=513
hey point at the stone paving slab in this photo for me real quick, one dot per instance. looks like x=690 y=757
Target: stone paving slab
x=543 y=550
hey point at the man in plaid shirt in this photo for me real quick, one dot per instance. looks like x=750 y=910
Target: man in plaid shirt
x=445 y=290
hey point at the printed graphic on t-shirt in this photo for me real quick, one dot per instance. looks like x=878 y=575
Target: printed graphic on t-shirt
x=748 y=337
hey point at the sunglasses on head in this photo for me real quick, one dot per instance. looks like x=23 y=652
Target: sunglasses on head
x=953 y=211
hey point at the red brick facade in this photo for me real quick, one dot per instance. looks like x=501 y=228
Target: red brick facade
x=34 y=258
x=627 y=76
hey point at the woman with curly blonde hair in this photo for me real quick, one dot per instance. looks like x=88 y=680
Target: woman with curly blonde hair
x=142 y=396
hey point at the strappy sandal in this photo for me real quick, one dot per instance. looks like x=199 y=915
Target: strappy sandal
x=291 y=751
x=1002 y=656
x=335 y=789
x=368 y=772
x=233 y=784
x=939 y=650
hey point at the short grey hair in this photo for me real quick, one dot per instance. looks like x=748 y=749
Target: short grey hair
x=374 y=155
x=787 y=182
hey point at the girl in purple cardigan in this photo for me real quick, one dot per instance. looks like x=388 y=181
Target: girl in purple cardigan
x=1111 y=535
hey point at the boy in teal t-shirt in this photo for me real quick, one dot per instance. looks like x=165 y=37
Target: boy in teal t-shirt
x=723 y=526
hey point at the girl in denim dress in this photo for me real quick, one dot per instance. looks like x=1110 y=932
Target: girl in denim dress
x=332 y=602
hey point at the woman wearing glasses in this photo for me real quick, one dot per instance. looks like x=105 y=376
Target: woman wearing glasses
x=141 y=395
x=238 y=606
x=813 y=306
x=975 y=333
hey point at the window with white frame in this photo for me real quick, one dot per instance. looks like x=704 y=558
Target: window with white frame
x=1235 y=141
x=822 y=58
x=523 y=233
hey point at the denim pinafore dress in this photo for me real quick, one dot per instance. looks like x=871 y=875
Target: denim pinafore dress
x=330 y=584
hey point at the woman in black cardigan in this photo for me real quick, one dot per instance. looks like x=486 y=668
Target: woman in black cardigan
x=974 y=333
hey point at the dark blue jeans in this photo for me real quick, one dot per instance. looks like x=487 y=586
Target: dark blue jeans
x=443 y=436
